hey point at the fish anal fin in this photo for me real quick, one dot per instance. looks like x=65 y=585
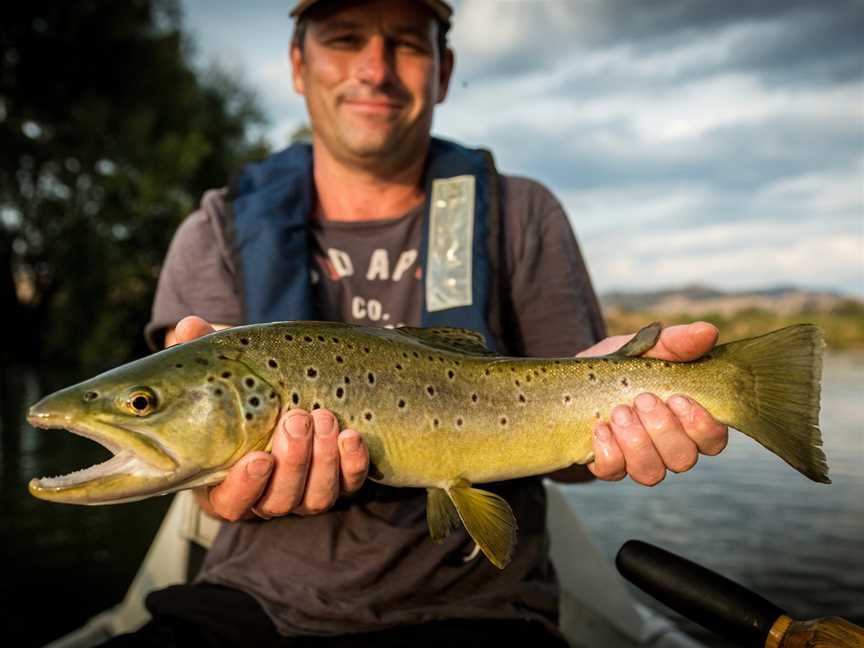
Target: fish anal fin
x=441 y=514
x=644 y=340
x=489 y=520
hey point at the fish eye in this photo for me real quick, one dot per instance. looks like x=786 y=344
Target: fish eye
x=141 y=402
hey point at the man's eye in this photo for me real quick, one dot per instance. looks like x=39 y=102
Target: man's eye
x=344 y=40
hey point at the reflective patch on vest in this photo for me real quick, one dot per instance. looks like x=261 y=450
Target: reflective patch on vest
x=449 y=257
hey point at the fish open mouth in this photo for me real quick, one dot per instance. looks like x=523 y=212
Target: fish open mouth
x=137 y=461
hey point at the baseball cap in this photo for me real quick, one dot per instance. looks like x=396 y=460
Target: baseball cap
x=441 y=9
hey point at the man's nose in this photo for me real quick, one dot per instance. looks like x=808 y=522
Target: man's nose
x=375 y=66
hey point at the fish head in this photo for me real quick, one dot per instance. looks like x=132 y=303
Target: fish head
x=175 y=419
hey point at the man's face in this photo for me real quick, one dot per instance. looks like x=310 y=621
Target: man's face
x=371 y=74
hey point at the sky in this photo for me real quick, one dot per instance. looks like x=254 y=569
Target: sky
x=690 y=141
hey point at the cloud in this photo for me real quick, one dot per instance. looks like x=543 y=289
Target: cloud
x=687 y=139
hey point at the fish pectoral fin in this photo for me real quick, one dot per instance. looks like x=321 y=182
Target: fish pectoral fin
x=441 y=515
x=644 y=340
x=489 y=520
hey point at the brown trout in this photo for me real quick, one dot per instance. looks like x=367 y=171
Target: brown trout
x=435 y=407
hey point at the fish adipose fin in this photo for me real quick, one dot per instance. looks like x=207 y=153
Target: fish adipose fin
x=644 y=340
x=441 y=514
x=782 y=410
x=488 y=519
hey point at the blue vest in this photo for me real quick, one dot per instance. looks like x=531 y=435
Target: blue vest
x=272 y=201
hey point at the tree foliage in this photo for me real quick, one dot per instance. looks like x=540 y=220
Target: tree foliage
x=108 y=136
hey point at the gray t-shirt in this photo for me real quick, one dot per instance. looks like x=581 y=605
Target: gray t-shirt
x=368 y=563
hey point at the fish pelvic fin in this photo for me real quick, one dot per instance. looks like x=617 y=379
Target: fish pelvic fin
x=782 y=413
x=644 y=340
x=489 y=521
x=441 y=514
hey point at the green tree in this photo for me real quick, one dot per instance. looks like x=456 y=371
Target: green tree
x=108 y=136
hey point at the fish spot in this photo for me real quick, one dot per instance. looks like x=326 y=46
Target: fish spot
x=592 y=377
x=597 y=414
x=430 y=390
x=282 y=384
x=295 y=398
x=440 y=359
x=273 y=364
x=272 y=395
x=625 y=382
x=513 y=369
x=543 y=369
x=312 y=372
x=415 y=354
x=404 y=354
x=335 y=340
x=250 y=382
x=316 y=405
x=567 y=399
x=248 y=416
x=226 y=374
x=340 y=359
x=474 y=398
x=431 y=359
x=367 y=415
x=451 y=374
x=398 y=366
x=244 y=341
x=648 y=364
x=217 y=391
x=340 y=393
x=179 y=365
x=320 y=338
x=254 y=401
x=459 y=422
x=522 y=399
x=306 y=338
x=289 y=338
x=90 y=395
x=367 y=350
x=347 y=380
x=371 y=378
x=401 y=403
x=210 y=379
x=486 y=373
x=516 y=382
x=202 y=361
x=667 y=364
x=435 y=422
x=502 y=421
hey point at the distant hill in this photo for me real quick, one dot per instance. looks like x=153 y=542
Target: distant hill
x=698 y=299
x=740 y=314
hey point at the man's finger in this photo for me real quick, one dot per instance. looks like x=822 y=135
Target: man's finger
x=323 y=482
x=191 y=327
x=707 y=433
x=643 y=463
x=685 y=342
x=354 y=460
x=608 y=461
x=675 y=447
x=292 y=452
x=234 y=497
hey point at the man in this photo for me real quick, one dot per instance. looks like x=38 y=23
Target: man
x=378 y=223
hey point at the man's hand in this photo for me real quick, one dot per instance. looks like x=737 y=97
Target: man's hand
x=310 y=466
x=646 y=440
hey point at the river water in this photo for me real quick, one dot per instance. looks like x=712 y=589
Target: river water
x=744 y=514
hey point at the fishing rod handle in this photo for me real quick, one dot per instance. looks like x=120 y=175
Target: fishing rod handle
x=712 y=600
x=831 y=632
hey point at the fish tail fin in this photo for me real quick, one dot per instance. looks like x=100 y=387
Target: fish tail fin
x=785 y=369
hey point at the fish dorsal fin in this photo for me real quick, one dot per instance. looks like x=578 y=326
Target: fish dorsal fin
x=449 y=339
x=489 y=521
x=644 y=340
x=441 y=515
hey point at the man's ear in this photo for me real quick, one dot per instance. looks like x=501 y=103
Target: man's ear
x=297 y=69
x=448 y=60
